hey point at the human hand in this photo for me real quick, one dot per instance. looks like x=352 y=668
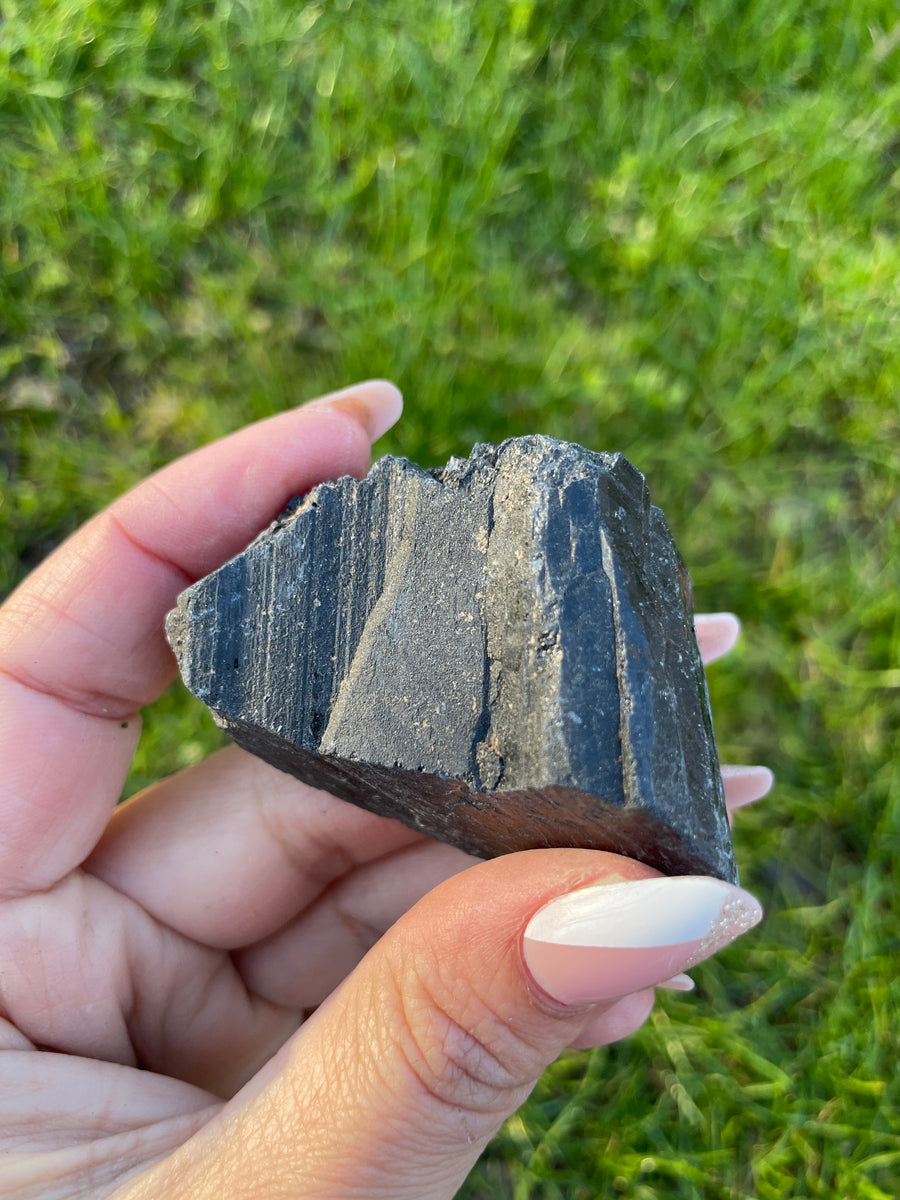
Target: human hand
x=157 y=961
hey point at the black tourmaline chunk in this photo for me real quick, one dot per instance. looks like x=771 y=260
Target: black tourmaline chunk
x=500 y=653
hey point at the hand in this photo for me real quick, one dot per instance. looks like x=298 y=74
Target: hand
x=157 y=961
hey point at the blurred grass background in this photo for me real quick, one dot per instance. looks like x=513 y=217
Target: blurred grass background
x=660 y=227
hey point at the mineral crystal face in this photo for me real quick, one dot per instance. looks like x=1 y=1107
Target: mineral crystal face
x=499 y=653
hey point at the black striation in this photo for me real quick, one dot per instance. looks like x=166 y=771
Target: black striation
x=500 y=653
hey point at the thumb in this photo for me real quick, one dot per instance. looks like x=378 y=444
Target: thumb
x=397 y=1083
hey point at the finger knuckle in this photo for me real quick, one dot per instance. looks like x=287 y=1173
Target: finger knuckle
x=461 y=1054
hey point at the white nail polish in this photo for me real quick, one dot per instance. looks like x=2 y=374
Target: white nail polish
x=603 y=942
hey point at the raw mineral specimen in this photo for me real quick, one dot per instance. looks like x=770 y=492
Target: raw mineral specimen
x=499 y=652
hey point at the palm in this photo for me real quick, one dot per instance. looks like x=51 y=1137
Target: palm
x=166 y=953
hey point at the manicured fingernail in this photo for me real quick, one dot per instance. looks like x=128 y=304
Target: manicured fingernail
x=376 y=404
x=603 y=942
x=678 y=983
x=743 y=785
x=717 y=634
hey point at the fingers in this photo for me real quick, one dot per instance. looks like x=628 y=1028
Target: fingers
x=744 y=785
x=231 y=850
x=81 y=641
x=88 y=973
x=716 y=634
x=395 y=1085
x=301 y=964
x=233 y=853
x=618 y=1021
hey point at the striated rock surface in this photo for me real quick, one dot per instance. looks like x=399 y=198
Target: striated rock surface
x=499 y=652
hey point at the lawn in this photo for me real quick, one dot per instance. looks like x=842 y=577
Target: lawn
x=669 y=229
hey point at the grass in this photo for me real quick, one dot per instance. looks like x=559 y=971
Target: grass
x=666 y=228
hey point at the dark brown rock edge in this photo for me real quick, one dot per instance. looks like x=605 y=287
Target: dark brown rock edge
x=500 y=653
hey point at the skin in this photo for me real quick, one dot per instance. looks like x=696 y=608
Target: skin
x=161 y=961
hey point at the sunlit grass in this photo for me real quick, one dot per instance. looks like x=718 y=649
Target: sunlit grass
x=669 y=229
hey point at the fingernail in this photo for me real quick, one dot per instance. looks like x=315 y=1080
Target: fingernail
x=717 y=634
x=743 y=785
x=376 y=404
x=678 y=983
x=603 y=942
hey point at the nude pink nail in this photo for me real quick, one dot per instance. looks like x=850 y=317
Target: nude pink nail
x=604 y=942
x=717 y=634
x=743 y=785
x=678 y=983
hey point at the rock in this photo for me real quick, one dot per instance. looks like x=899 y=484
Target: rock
x=499 y=653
